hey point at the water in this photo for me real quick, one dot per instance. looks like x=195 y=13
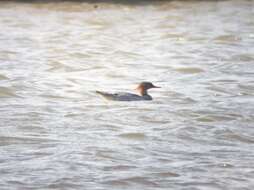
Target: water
x=56 y=133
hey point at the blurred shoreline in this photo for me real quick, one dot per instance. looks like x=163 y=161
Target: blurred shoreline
x=102 y=1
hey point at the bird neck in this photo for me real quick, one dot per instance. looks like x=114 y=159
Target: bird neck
x=142 y=91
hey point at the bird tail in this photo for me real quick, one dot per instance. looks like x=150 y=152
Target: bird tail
x=105 y=94
x=100 y=92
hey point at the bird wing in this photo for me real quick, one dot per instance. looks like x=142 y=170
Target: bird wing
x=121 y=96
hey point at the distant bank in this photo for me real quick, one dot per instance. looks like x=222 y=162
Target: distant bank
x=96 y=1
x=101 y=1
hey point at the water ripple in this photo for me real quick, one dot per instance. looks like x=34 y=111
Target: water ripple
x=57 y=133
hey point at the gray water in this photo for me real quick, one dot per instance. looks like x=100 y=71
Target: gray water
x=197 y=133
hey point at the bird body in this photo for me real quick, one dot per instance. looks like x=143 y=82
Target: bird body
x=125 y=96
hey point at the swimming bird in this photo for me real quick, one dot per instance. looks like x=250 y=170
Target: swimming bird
x=125 y=96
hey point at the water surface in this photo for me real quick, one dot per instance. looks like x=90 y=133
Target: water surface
x=56 y=133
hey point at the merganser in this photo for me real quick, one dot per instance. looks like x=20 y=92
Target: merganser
x=124 y=96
